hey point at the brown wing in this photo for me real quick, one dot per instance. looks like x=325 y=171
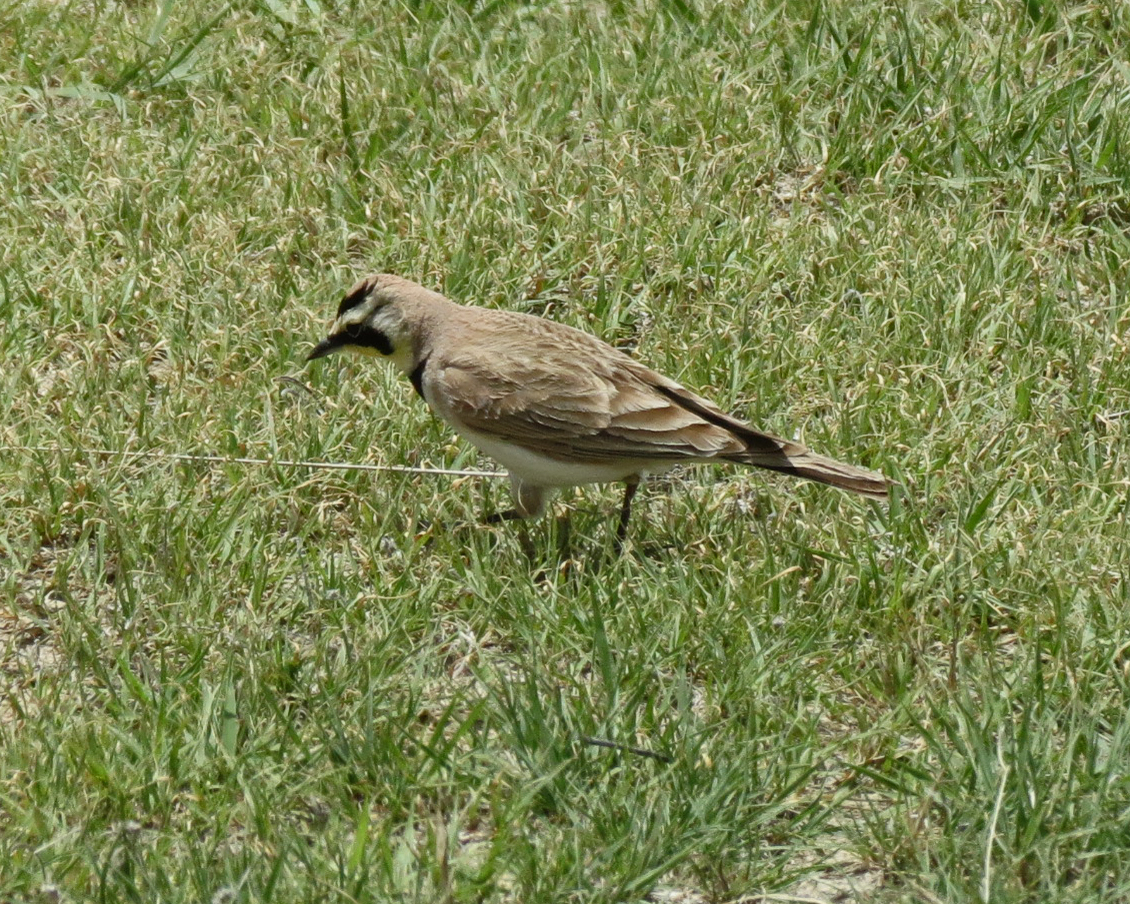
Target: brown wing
x=572 y=401
x=566 y=394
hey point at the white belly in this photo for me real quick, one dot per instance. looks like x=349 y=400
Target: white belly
x=540 y=470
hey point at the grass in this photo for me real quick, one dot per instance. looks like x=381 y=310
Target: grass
x=898 y=231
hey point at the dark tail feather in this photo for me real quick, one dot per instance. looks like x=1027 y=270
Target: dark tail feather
x=774 y=454
x=802 y=463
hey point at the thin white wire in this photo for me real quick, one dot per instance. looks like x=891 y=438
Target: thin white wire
x=281 y=462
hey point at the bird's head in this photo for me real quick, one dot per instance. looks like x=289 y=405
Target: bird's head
x=376 y=317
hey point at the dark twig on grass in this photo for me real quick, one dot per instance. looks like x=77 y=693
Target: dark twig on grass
x=638 y=751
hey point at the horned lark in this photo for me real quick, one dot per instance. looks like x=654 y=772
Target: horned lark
x=556 y=406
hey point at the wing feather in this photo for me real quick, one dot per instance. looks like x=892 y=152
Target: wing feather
x=572 y=405
x=566 y=394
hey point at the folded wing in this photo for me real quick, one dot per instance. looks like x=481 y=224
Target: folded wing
x=611 y=408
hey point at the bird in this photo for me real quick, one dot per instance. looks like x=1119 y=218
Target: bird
x=556 y=406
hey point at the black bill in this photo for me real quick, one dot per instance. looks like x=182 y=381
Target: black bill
x=327 y=346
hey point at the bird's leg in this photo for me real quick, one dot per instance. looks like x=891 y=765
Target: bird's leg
x=523 y=531
x=499 y=517
x=529 y=502
x=630 y=486
x=564 y=536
